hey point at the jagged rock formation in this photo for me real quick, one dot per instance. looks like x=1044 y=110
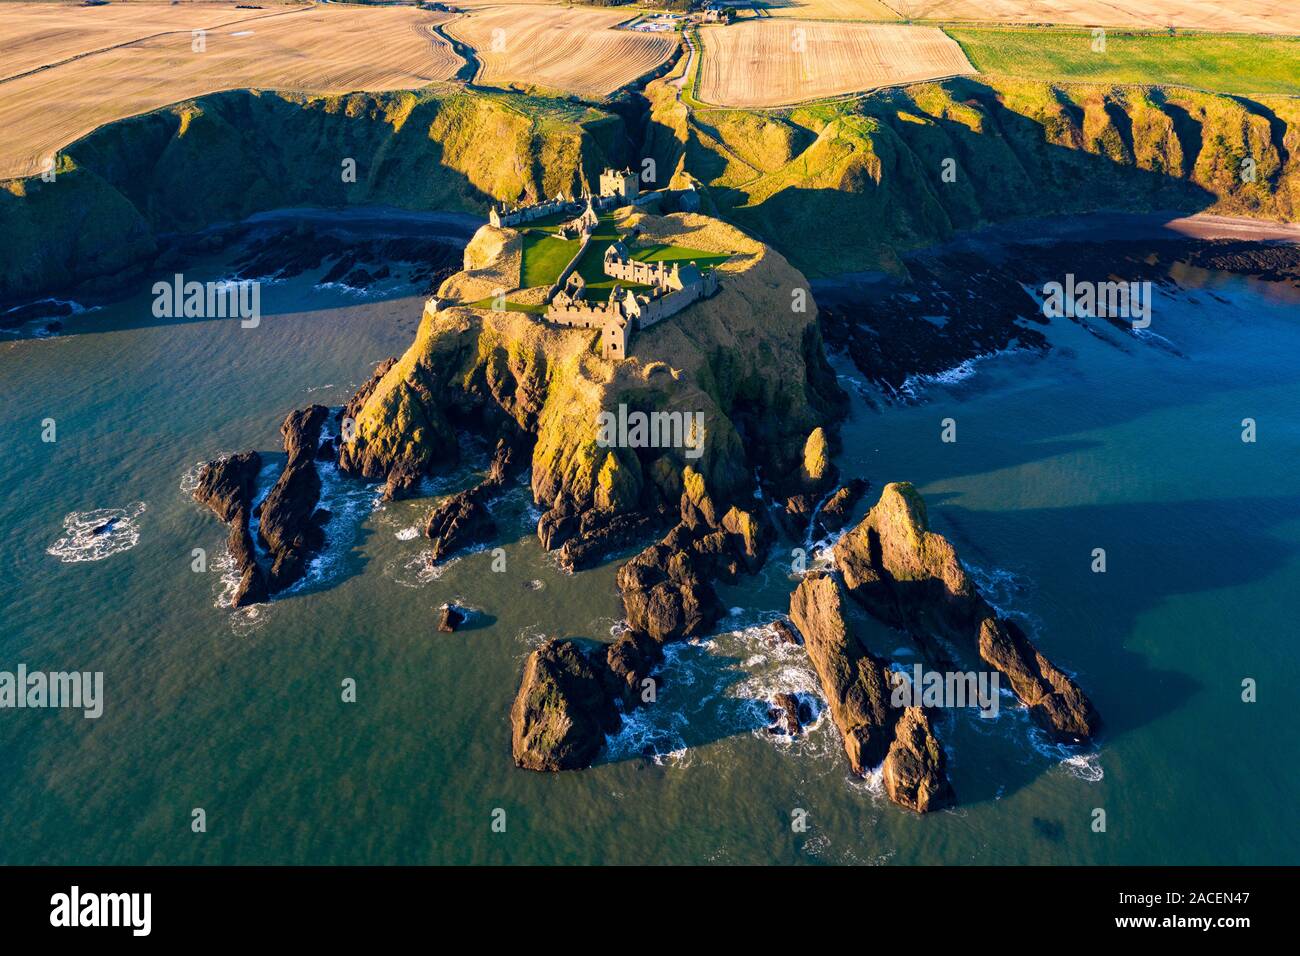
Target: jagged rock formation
x=667 y=591
x=858 y=686
x=563 y=710
x=835 y=513
x=463 y=520
x=289 y=525
x=855 y=683
x=914 y=769
x=630 y=660
x=911 y=578
x=226 y=485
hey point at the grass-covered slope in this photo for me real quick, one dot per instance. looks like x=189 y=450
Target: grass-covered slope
x=1240 y=64
x=846 y=186
x=223 y=157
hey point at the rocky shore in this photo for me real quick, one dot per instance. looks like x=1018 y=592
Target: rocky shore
x=966 y=300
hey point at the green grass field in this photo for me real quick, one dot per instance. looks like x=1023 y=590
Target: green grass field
x=1238 y=64
x=544 y=258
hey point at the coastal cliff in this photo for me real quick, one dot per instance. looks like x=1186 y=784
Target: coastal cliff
x=847 y=187
x=747 y=363
x=121 y=191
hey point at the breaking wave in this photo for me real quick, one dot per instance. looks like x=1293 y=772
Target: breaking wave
x=99 y=534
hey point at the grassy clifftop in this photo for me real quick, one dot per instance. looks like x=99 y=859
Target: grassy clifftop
x=846 y=186
x=221 y=158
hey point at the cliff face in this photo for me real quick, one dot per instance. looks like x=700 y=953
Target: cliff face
x=744 y=360
x=845 y=187
x=439 y=149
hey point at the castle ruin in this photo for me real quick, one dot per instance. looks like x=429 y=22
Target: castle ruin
x=672 y=289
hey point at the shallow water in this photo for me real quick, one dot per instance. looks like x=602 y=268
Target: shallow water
x=1133 y=447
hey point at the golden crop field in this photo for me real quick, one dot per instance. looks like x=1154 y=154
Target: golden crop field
x=575 y=49
x=828 y=9
x=778 y=62
x=1240 y=16
x=324 y=49
x=41 y=34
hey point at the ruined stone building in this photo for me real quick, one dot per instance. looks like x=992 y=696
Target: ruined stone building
x=672 y=288
x=622 y=184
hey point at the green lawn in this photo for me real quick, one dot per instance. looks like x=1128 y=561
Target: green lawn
x=1225 y=64
x=544 y=258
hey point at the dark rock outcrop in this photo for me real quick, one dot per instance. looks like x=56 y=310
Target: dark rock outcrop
x=252 y=588
x=290 y=527
x=463 y=520
x=450 y=617
x=856 y=684
x=665 y=596
x=630 y=660
x=1059 y=704
x=859 y=688
x=914 y=770
x=667 y=590
x=837 y=510
x=784 y=633
x=563 y=710
x=911 y=578
x=783 y=712
x=226 y=486
x=460 y=522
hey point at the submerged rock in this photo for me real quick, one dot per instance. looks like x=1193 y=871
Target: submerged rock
x=911 y=578
x=784 y=633
x=783 y=712
x=563 y=710
x=287 y=528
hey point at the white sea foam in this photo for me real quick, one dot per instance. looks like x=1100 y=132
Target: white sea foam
x=407 y=534
x=98 y=534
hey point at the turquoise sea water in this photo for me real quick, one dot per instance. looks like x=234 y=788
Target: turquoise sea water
x=1132 y=446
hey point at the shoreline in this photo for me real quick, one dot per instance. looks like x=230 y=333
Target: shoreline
x=993 y=241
